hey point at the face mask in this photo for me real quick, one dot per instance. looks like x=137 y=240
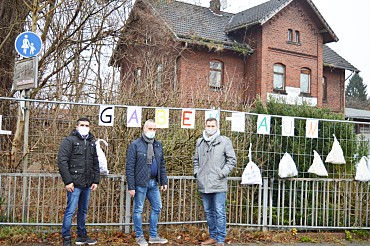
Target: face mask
x=150 y=134
x=210 y=131
x=83 y=130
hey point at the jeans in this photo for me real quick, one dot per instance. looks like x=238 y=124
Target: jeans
x=80 y=197
x=154 y=197
x=215 y=209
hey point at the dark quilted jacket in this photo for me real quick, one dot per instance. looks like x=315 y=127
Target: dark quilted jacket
x=137 y=169
x=78 y=161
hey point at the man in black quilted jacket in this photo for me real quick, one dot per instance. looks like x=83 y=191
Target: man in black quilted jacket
x=145 y=170
x=78 y=165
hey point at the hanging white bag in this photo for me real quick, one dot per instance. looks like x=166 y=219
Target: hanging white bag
x=287 y=167
x=103 y=163
x=336 y=156
x=317 y=166
x=362 y=170
x=251 y=173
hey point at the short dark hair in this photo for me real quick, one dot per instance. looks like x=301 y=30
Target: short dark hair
x=82 y=119
x=212 y=119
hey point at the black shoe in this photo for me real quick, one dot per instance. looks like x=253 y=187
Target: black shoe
x=67 y=241
x=81 y=240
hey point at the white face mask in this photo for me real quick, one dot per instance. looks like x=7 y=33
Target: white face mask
x=210 y=131
x=150 y=134
x=83 y=130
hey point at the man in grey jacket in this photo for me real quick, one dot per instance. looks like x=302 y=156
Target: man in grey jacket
x=214 y=159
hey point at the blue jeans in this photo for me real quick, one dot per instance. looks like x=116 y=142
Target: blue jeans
x=80 y=197
x=152 y=193
x=215 y=208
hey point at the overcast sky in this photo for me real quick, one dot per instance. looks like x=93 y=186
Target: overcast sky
x=348 y=19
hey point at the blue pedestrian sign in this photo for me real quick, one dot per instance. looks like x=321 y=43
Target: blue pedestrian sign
x=28 y=44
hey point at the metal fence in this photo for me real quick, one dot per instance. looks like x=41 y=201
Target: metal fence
x=40 y=200
x=33 y=194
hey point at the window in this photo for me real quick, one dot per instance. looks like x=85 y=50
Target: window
x=215 y=74
x=290 y=35
x=138 y=75
x=297 y=39
x=279 y=77
x=324 y=89
x=159 y=76
x=305 y=80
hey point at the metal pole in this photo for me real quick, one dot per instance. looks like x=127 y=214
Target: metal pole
x=26 y=129
x=264 y=207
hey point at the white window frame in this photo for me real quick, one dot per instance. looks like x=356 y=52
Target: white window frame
x=279 y=77
x=305 y=80
x=216 y=69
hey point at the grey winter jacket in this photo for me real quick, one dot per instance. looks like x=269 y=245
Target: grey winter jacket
x=213 y=163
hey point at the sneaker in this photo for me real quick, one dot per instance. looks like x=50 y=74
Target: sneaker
x=81 y=240
x=141 y=241
x=210 y=241
x=220 y=244
x=67 y=241
x=158 y=239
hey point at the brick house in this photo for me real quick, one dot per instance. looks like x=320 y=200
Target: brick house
x=273 y=50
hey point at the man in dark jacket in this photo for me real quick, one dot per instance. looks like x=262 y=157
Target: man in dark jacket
x=79 y=168
x=145 y=169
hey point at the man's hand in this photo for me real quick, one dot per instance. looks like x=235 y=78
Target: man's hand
x=163 y=187
x=70 y=187
x=132 y=193
x=93 y=187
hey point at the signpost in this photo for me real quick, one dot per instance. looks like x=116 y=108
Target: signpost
x=28 y=45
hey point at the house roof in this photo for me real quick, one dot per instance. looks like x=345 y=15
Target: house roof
x=357 y=113
x=194 y=23
x=265 y=11
x=332 y=59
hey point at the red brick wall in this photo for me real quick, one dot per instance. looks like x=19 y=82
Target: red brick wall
x=276 y=49
x=335 y=89
x=193 y=76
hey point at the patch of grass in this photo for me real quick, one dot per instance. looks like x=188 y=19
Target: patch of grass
x=305 y=239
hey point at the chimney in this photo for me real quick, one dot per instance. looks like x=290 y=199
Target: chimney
x=214 y=6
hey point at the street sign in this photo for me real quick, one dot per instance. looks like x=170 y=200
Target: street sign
x=25 y=74
x=28 y=44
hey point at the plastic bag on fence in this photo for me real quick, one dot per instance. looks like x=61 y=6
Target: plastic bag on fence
x=251 y=173
x=317 y=166
x=103 y=163
x=362 y=170
x=287 y=167
x=336 y=156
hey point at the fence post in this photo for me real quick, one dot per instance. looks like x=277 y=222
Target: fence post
x=122 y=193
x=265 y=204
x=127 y=212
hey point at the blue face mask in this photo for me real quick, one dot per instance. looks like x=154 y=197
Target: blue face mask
x=150 y=134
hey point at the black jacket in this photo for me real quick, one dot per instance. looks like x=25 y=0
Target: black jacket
x=78 y=160
x=137 y=169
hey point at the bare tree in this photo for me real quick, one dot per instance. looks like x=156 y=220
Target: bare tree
x=77 y=38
